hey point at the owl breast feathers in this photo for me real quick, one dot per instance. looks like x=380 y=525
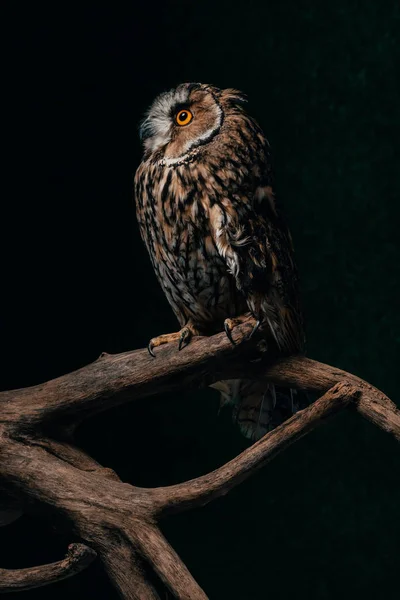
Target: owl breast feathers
x=208 y=215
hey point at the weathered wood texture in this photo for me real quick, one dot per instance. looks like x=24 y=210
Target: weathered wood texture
x=42 y=469
x=78 y=558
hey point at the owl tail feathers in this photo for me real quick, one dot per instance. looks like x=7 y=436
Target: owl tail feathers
x=257 y=407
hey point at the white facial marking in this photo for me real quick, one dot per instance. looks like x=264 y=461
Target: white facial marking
x=156 y=127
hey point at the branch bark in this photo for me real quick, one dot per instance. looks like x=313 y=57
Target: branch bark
x=78 y=558
x=117 y=520
x=202 y=490
x=167 y=564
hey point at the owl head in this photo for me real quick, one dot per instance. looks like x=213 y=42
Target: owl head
x=187 y=117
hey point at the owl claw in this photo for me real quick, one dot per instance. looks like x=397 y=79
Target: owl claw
x=184 y=338
x=255 y=328
x=228 y=332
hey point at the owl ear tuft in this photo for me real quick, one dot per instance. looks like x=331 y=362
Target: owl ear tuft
x=235 y=96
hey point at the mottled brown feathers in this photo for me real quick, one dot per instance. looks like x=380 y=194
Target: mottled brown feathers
x=209 y=218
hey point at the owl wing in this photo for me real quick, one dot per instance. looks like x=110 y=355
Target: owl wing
x=251 y=236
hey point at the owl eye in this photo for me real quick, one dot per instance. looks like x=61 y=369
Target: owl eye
x=183 y=117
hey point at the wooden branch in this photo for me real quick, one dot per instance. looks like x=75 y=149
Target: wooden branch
x=114 y=379
x=202 y=490
x=167 y=564
x=78 y=558
x=73 y=456
x=304 y=373
x=43 y=469
x=126 y=569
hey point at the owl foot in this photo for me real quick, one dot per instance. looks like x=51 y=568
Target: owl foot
x=255 y=328
x=229 y=325
x=183 y=337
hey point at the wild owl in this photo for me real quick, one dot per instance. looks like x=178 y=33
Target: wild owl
x=216 y=235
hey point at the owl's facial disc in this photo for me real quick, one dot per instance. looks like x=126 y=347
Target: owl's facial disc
x=181 y=120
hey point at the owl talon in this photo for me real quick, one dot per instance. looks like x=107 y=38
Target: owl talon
x=228 y=332
x=255 y=328
x=150 y=349
x=184 y=338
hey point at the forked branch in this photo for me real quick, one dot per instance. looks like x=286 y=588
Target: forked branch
x=117 y=520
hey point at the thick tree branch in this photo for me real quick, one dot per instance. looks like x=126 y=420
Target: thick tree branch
x=78 y=558
x=125 y=568
x=73 y=456
x=41 y=467
x=304 y=373
x=167 y=564
x=113 y=379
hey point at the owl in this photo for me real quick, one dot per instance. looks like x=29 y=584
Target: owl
x=216 y=235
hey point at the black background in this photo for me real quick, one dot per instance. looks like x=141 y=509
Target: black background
x=321 y=521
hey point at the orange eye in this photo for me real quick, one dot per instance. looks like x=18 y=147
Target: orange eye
x=183 y=117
